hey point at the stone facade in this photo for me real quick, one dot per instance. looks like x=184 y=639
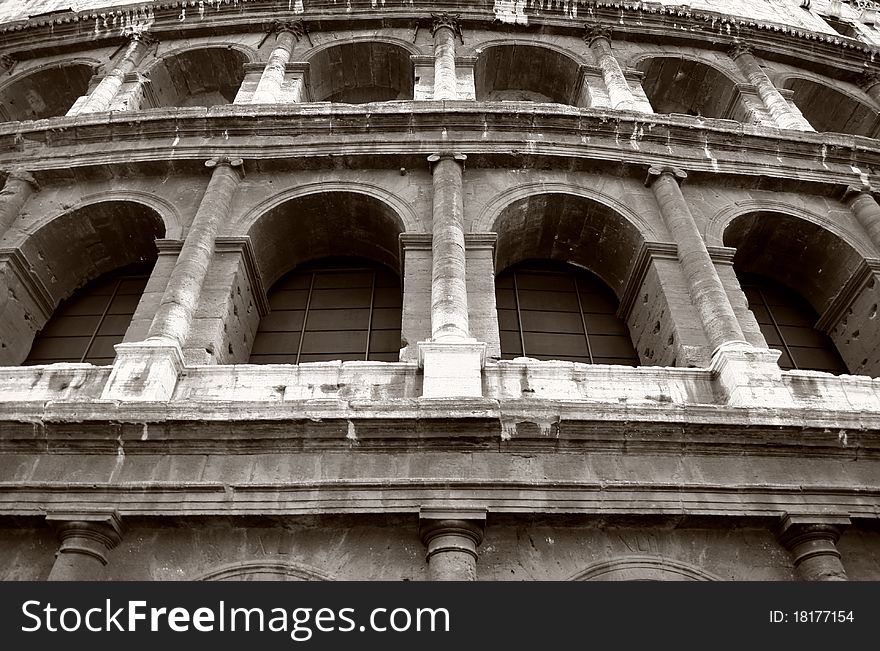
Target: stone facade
x=667 y=149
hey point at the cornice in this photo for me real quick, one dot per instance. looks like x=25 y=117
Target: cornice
x=631 y=20
x=312 y=135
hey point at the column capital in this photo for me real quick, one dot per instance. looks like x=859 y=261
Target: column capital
x=297 y=28
x=795 y=529
x=444 y=530
x=142 y=37
x=7 y=62
x=595 y=31
x=452 y=21
x=869 y=78
x=21 y=174
x=447 y=155
x=738 y=49
x=656 y=171
x=236 y=164
x=851 y=192
x=91 y=533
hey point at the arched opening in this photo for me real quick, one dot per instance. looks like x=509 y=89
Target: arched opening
x=86 y=326
x=564 y=261
x=356 y=73
x=46 y=93
x=526 y=72
x=203 y=77
x=678 y=85
x=827 y=109
x=329 y=309
x=65 y=255
x=787 y=322
x=552 y=310
x=791 y=270
x=332 y=261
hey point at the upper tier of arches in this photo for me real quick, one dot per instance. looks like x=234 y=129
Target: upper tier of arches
x=357 y=67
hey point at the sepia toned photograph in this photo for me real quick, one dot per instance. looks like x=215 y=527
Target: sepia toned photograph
x=467 y=290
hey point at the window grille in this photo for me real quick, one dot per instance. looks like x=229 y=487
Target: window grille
x=86 y=326
x=786 y=321
x=555 y=311
x=334 y=309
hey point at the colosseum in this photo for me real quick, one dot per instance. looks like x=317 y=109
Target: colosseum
x=469 y=289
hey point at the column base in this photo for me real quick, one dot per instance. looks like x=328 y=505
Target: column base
x=452 y=369
x=145 y=370
x=749 y=376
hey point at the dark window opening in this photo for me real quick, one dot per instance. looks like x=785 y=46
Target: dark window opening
x=332 y=309
x=86 y=326
x=786 y=321
x=549 y=310
x=841 y=26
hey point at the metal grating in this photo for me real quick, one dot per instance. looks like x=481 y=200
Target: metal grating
x=551 y=310
x=786 y=321
x=335 y=309
x=86 y=326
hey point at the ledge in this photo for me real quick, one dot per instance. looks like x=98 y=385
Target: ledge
x=492 y=134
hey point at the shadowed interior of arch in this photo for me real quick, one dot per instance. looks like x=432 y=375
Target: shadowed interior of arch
x=791 y=270
x=46 y=93
x=67 y=254
x=564 y=262
x=356 y=73
x=526 y=73
x=679 y=85
x=203 y=77
x=827 y=109
x=338 y=255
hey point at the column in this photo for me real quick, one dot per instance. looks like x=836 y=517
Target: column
x=148 y=370
x=19 y=187
x=452 y=360
x=870 y=83
x=174 y=316
x=704 y=285
x=812 y=542
x=776 y=104
x=866 y=210
x=598 y=38
x=86 y=538
x=451 y=538
x=746 y=376
x=269 y=87
x=449 y=313
x=101 y=97
x=444 y=30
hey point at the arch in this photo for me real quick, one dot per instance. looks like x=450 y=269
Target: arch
x=830 y=109
x=410 y=47
x=688 y=85
x=493 y=208
x=403 y=210
x=643 y=568
x=568 y=227
x=321 y=224
x=66 y=253
x=361 y=71
x=207 y=75
x=173 y=226
x=262 y=570
x=521 y=70
x=45 y=91
x=719 y=222
x=797 y=253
